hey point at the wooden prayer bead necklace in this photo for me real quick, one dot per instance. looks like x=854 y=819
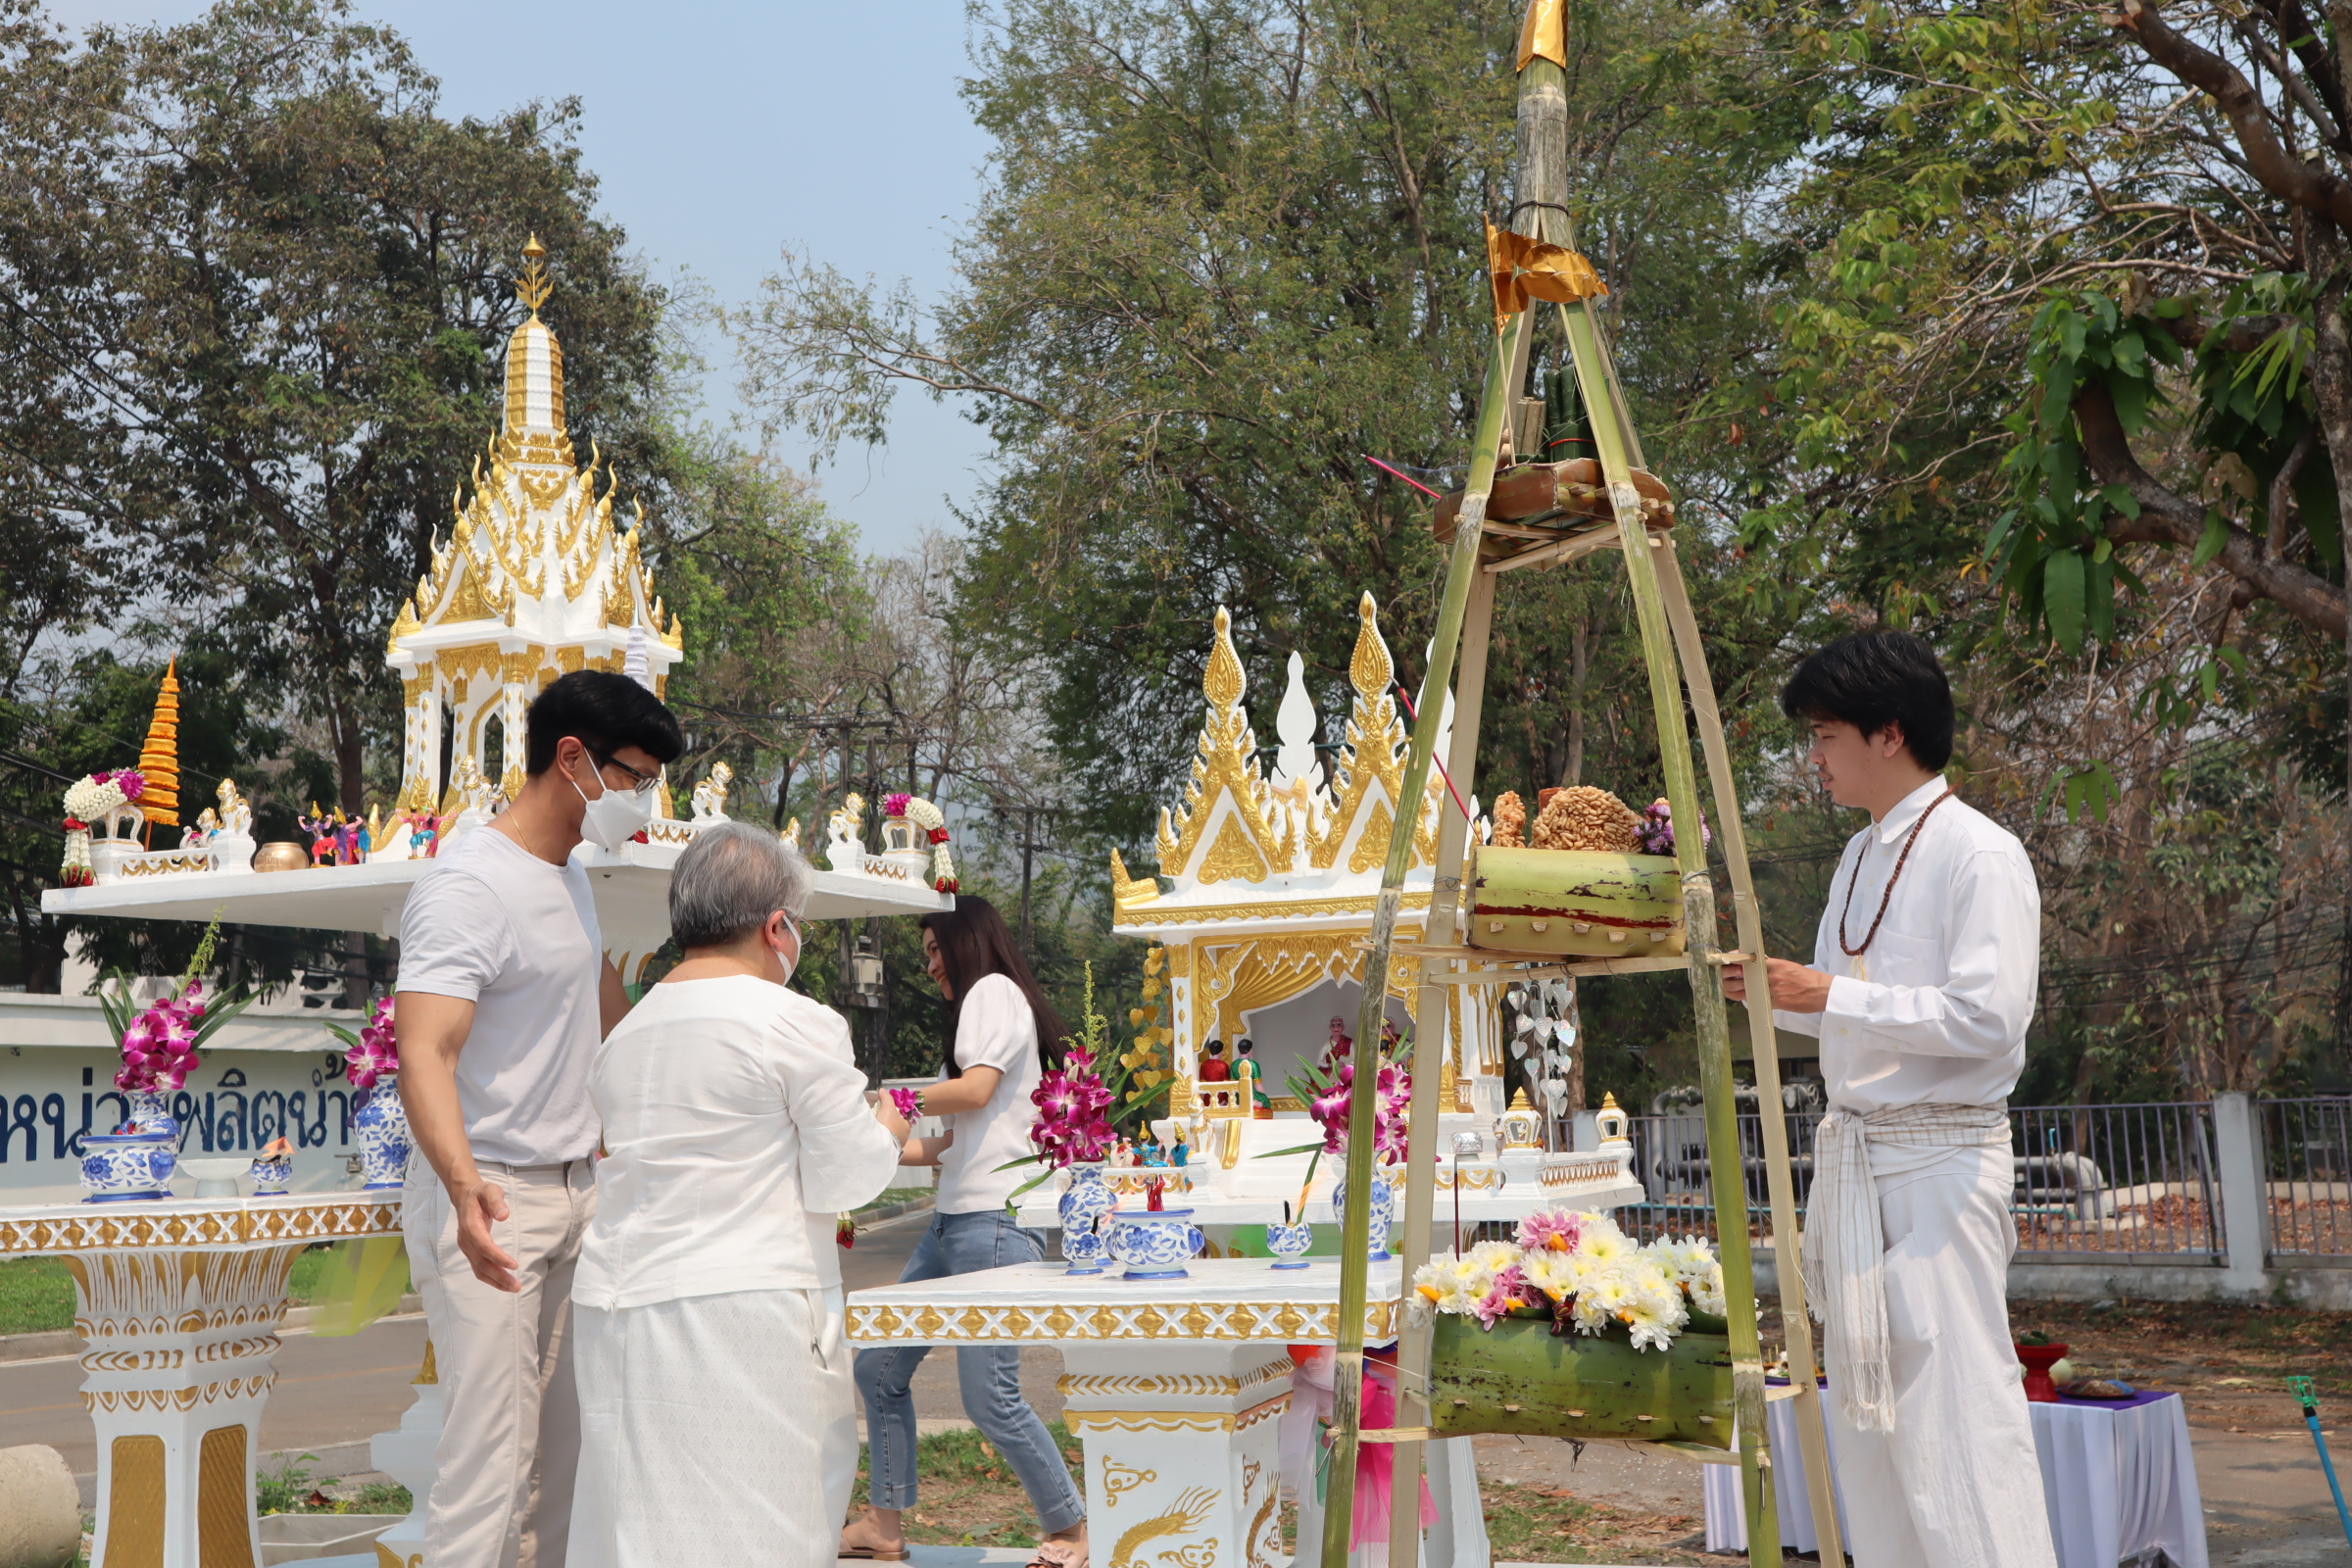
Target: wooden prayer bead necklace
x=1886 y=897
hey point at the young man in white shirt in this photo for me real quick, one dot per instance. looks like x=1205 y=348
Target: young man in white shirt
x=504 y=993
x=1924 y=969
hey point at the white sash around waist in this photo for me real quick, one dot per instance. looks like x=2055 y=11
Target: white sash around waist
x=1845 y=1247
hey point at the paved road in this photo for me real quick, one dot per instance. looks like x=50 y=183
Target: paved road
x=337 y=1391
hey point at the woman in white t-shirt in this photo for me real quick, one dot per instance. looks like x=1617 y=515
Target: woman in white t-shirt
x=1001 y=1033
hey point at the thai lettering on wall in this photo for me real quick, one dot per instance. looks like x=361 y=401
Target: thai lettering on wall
x=236 y=1104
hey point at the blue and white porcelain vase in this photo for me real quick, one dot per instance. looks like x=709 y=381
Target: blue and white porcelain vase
x=119 y=1167
x=1288 y=1243
x=383 y=1128
x=1384 y=1213
x=1155 y=1243
x=151 y=1112
x=1088 y=1199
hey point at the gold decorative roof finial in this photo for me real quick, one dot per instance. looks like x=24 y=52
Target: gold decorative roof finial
x=534 y=286
x=1609 y=1102
x=1223 y=683
x=1371 y=669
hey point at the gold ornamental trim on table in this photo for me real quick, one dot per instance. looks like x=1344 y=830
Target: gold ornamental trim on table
x=1282 y=1322
x=1082 y=1421
x=112 y=1228
x=1198 y=1385
x=1570 y=1173
x=1264 y=909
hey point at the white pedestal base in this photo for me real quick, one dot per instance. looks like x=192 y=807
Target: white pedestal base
x=1181 y=1461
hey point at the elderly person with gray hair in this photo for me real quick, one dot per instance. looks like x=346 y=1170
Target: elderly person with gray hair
x=717 y=1414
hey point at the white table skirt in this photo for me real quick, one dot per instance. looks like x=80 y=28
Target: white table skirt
x=2118 y=1483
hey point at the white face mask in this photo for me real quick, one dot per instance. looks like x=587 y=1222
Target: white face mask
x=616 y=816
x=792 y=964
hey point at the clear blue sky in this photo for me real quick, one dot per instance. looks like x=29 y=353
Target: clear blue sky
x=724 y=133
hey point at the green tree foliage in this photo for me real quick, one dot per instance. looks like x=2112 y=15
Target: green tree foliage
x=1229 y=252
x=267 y=283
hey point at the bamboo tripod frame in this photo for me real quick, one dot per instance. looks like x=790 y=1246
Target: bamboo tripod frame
x=1676 y=659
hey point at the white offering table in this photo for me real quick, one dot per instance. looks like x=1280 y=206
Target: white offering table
x=178 y=1303
x=1176 y=1389
x=1237 y=1179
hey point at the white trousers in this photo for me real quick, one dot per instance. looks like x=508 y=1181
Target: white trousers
x=501 y=1491
x=715 y=1430
x=1957 y=1484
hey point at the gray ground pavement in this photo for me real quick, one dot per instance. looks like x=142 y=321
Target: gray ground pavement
x=2266 y=1501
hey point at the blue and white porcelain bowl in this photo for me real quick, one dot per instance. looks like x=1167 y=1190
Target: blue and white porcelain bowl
x=119 y=1167
x=271 y=1176
x=1155 y=1245
x=383 y=1128
x=1288 y=1243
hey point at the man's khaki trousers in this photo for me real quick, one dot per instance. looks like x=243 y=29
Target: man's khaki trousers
x=510 y=1432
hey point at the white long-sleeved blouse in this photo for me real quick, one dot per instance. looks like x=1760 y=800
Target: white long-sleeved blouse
x=736 y=1125
x=1935 y=1009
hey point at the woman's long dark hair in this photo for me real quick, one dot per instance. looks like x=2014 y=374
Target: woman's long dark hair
x=975 y=943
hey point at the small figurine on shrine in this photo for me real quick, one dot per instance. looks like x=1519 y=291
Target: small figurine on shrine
x=1338 y=1046
x=1245 y=1070
x=1214 y=1069
x=1182 y=1153
x=322 y=829
x=424 y=835
x=201 y=832
x=351 y=841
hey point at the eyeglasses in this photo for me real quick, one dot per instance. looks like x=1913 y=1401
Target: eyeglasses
x=645 y=782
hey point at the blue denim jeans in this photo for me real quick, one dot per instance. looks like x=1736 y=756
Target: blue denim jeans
x=990 y=1375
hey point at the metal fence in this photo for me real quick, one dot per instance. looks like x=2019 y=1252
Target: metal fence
x=2307 y=1172
x=2099 y=1181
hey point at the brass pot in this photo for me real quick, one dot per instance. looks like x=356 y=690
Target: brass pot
x=280 y=856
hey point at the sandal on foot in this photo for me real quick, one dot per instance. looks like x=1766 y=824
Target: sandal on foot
x=872 y=1555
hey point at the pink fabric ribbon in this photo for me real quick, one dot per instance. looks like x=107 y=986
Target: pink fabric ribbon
x=1303 y=1440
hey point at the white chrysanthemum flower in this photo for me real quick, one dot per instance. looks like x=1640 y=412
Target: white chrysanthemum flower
x=1652 y=1329
x=1706 y=1295
x=1553 y=1273
x=1606 y=1249
x=1443 y=1285
x=1601 y=1300
x=1494 y=1256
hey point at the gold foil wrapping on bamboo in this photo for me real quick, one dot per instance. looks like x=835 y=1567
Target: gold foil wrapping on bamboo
x=1544 y=32
x=1526 y=269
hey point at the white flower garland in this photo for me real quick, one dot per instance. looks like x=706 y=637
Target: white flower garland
x=934 y=822
x=89 y=801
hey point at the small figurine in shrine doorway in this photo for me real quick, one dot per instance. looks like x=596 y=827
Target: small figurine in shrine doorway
x=1214 y=1069
x=1338 y=1046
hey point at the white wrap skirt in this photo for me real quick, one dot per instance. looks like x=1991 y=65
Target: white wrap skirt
x=713 y=1429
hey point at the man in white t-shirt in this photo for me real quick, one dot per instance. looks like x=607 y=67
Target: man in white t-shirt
x=504 y=993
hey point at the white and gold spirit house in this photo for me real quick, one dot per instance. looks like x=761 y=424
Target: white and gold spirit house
x=1272 y=880
x=534 y=582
